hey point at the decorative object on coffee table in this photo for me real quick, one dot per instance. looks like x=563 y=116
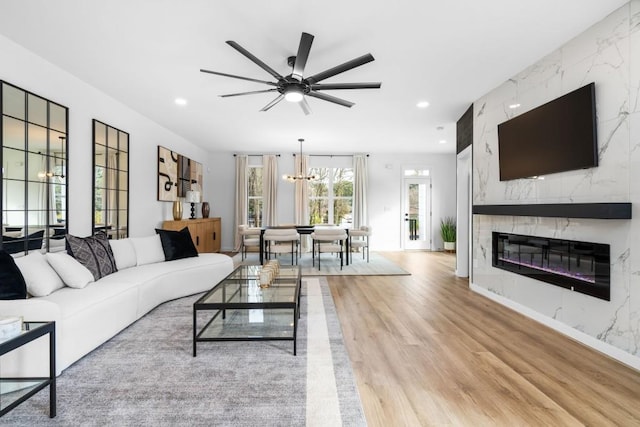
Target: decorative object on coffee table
x=177 y=210
x=193 y=197
x=205 y=209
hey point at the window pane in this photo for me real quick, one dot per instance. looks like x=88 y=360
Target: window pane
x=13 y=133
x=13 y=163
x=37 y=139
x=37 y=110
x=342 y=212
x=13 y=101
x=319 y=187
x=254 y=182
x=416 y=172
x=58 y=117
x=255 y=212
x=112 y=137
x=318 y=211
x=343 y=183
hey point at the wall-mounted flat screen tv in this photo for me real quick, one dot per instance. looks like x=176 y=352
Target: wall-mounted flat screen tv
x=555 y=137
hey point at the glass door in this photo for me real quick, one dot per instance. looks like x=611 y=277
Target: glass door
x=416 y=221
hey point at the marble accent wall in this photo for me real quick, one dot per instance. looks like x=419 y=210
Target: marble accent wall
x=609 y=55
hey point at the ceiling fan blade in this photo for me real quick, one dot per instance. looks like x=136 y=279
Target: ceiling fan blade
x=247 y=93
x=335 y=86
x=305 y=106
x=272 y=103
x=238 y=77
x=330 y=98
x=340 y=68
x=253 y=58
x=303 y=54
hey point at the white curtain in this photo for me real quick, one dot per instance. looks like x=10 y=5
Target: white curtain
x=269 y=189
x=242 y=160
x=360 y=185
x=301 y=213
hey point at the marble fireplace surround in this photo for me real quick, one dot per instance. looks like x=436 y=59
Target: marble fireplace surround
x=608 y=54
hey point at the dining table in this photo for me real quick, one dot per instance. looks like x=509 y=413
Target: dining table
x=302 y=230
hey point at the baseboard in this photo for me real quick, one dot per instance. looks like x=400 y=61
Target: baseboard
x=594 y=343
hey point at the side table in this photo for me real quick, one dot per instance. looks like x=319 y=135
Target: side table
x=14 y=391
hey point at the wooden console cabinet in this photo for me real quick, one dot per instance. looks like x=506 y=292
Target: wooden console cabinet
x=205 y=232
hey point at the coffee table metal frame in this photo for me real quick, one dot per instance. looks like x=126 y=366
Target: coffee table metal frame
x=232 y=292
x=30 y=332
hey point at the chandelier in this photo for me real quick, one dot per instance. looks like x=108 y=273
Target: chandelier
x=300 y=176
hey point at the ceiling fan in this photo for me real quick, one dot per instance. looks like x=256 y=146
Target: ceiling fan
x=294 y=87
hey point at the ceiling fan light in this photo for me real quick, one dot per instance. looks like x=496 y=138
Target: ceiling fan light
x=293 y=94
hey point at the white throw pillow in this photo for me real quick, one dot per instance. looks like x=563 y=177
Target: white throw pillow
x=73 y=274
x=148 y=249
x=40 y=278
x=124 y=253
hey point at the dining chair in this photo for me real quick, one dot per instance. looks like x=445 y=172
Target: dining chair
x=281 y=241
x=328 y=240
x=249 y=238
x=359 y=239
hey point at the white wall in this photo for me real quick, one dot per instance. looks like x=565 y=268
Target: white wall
x=30 y=72
x=609 y=55
x=385 y=184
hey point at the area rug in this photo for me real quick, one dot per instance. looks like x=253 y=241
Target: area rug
x=146 y=376
x=378 y=265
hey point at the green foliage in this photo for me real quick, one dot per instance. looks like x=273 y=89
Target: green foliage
x=448 y=229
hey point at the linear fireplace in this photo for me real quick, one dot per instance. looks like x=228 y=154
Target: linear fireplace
x=579 y=266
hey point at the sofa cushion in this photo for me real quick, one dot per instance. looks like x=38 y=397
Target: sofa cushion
x=177 y=244
x=40 y=277
x=94 y=252
x=12 y=284
x=72 y=273
x=148 y=249
x=124 y=253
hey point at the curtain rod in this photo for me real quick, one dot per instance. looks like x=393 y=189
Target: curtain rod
x=256 y=155
x=330 y=155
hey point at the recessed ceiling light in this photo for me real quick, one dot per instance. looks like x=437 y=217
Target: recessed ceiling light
x=422 y=104
x=512 y=106
x=181 y=101
x=442 y=141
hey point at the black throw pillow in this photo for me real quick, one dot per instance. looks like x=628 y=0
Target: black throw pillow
x=177 y=244
x=12 y=284
x=94 y=252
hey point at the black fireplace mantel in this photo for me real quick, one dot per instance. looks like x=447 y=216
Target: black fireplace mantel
x=559 y=210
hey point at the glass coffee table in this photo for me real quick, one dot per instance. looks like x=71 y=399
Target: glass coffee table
x=238 y=309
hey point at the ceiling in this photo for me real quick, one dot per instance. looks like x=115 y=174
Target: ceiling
x=147 y=53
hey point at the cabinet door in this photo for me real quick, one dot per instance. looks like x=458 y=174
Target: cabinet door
x=217 y=236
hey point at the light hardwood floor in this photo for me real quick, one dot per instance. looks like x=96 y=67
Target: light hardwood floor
x=427 y=351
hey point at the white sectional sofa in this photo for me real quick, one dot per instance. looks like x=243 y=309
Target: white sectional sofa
x=87 y=317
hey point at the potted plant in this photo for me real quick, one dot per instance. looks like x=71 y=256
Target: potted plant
x=448 y=233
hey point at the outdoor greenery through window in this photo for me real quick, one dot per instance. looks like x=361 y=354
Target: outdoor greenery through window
x=331 y=196
x=254 y=195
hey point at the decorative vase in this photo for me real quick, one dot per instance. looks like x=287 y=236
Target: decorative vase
x=205 y=209
x=450 y=246
x=177 y=210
